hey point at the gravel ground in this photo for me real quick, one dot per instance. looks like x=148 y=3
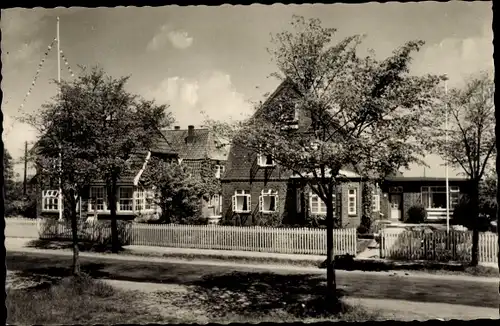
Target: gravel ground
x=402 y=310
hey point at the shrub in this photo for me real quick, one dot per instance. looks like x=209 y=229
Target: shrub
x=98 y=232
x=416 y=214
x=366 y=225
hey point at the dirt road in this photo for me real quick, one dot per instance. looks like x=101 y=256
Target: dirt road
x=469 y=292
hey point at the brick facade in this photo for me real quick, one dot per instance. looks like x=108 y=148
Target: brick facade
x=293 y=203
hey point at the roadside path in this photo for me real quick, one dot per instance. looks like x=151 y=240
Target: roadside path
x=19 y=245
x=391 y=309
x=251 y=279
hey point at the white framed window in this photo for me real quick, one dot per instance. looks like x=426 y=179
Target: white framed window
x=215 y=205
x=125 y=199
x=317 y=205
x=50 y=200
x=241 y=201
x=144 y=200
x=265 y=160
x=97 y=199
x=140 y=198
x=435 y=197
x=219 y=171
x=268 y=201
x=352 y=201
x=376 y=203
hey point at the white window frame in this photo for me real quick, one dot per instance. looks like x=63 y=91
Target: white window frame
x=143 y=198
x=91 y=199
x=120 y=199
x=262 y=158
x=454 y=191
x=268 y=193
x=50 y=198
x=321 y=204
x=352 y=197
x=376 y=203
x=139 y=200
x=242 y=193
x=219 y=171
x=215 y=200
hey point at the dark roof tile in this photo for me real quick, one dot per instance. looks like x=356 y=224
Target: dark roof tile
x=203 y=144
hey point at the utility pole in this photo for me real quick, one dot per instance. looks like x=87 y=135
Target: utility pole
x=446 y=161
x=25 y=179
x=59 y=85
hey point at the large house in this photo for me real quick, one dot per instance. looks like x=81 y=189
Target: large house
x=133 y=199
x=189 y=147
x=257 y=189
x=194 y=147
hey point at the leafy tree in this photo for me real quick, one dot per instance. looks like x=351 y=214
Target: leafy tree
x=353 y=111
x=471 y=141
x=13 y=191
x=121 y=125
x=177 y=191
x=64 y=153
x=8 y=165
x=488 y=196
x=208 y=184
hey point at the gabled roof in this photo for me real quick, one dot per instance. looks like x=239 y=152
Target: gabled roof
x=201 y=145
x=242 y=163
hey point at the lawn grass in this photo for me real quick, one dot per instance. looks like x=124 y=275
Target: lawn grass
x=247 y=282
x=84 y=300
x=73 y=301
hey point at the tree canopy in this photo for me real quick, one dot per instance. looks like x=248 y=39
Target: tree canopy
x=338 y=110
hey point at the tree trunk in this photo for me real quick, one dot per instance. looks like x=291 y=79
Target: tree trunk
x=331 y=287
x=74 y=236
x=475 y=222
x=115 y=246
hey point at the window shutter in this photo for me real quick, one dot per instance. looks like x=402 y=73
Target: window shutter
x=261 y=203
x=276 y=202
x=259 y=159
x=249 y=203
x=234 y=203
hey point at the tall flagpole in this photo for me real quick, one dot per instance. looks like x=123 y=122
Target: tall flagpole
x=59 y=89
x=446 y=160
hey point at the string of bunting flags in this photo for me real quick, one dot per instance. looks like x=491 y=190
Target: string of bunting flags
x=67 y=64
x=40 y=65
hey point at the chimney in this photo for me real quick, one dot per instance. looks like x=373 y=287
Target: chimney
x=190 y=131
x=177 y=127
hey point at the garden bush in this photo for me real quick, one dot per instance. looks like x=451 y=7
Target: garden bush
x=416 y=214
x=98 y=232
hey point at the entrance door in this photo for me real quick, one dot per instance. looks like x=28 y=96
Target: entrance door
x=395 y=203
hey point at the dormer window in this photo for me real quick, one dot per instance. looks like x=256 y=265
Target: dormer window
x=265 y=160
x=219 y=171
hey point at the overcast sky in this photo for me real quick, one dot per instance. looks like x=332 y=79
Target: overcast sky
x=214 y=59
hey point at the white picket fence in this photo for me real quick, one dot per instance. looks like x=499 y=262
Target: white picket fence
x=488 y=247
x=262 y=239
x=437 y=245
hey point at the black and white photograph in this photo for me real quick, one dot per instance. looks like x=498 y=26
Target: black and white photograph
x=250 y=163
